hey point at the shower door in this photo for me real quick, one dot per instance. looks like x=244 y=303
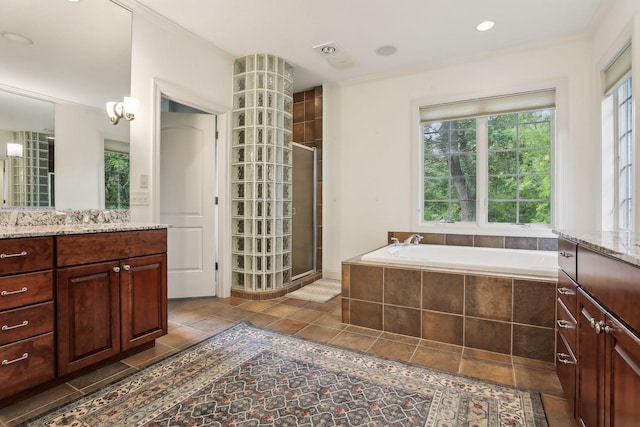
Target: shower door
x=303 y=256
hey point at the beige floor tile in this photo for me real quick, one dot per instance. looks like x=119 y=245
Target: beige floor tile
x=400 y=338
x=392 y=349
x=353 y=340
x=37 y=405
x=280 y=310
x=232 y=301
x=558 y=412
x=318 y=333
x=212 y=305
x=321 y=306
x=331 y=321
x=437 y=359
x=186 y=317
x=451 y=348
x=213 y=325
x=149 y=356
x=488 y=355
x=294 y=302
x=306 y=315
x=256 y=306
x=261 y=319
x=364 y=331
x=103 y=376
x=183 y=337
x=235 y=314
x=287 y=326
x=487 y=370
x=544 y=381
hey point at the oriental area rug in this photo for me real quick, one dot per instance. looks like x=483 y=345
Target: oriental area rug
x=247 y=376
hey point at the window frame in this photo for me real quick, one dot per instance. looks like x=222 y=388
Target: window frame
x=631 y=157
x=481 y=226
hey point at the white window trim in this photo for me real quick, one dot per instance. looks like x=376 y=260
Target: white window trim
x=481 y=226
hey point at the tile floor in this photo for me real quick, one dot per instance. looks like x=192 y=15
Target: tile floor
x=193 y=320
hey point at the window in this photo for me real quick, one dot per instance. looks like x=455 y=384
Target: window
x=489 y=160
x=624 y=165
x=450 y=170
x=116 y=176
x=618 y=139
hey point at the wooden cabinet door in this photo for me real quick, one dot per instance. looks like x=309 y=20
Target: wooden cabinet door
x=143 y=296
x=622 y=403
x=88 y=315
x=591 y=353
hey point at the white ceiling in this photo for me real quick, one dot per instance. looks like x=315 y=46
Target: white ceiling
x=424 y=31
x=81 y=52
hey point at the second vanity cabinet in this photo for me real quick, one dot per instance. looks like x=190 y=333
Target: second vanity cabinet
x=111 y=295
x=604 y=375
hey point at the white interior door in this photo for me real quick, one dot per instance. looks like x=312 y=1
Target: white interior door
x=187 y=197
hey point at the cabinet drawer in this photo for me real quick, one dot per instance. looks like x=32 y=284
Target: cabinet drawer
x=567 y=293
x=99 y=247
x=613 y=283
x=32 y=361
x=24 y=289
x=567 y=257
x=566 y=324
x=25 y=322
x=566 y=370
x=23 y=255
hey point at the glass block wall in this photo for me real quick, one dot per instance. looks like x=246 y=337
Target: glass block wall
x=261 y=173
x=29 y=178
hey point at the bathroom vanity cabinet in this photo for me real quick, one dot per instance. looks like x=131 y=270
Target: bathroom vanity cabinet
x=598 y=360
x=71 y=301
x=109 y=300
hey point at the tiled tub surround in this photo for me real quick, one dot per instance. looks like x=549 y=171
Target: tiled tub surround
x=482 y=241
x=512 y=315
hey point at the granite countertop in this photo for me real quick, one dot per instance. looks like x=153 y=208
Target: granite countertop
x=58 y=230
x=623 y=245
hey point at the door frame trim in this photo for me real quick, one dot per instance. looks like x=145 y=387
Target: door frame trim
x=222 y=216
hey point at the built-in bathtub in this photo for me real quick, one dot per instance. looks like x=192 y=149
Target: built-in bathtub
x=498 y=300
x=487 y=260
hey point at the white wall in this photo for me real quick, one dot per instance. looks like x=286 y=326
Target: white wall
x=79 y=154
x=369 y=129
x=162 y=51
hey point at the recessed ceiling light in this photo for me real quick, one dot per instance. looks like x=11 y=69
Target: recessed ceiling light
x=328 y=50
x=73 y=1
x=386 y=50
x=485 y=25
x=17 y=38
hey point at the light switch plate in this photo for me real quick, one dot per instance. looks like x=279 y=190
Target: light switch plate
x=139 y=198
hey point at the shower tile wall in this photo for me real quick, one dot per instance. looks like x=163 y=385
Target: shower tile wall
x=307 y=130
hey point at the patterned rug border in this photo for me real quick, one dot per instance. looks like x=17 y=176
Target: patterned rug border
x=536 y=400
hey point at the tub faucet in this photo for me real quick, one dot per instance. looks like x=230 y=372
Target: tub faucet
x=417 y=237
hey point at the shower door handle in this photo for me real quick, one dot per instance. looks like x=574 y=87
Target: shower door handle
x=293 y=211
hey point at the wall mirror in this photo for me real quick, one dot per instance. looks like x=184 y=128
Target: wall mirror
x=61 y=62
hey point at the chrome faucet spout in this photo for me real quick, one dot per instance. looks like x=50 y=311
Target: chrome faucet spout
x=416 y=237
